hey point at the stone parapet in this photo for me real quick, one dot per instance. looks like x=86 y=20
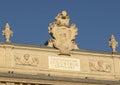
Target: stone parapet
x=35 y=60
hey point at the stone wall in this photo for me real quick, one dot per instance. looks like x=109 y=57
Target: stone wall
x=34 y=60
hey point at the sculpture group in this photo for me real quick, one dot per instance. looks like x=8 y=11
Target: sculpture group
x=62 y=35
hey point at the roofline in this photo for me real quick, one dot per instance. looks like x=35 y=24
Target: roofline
x=46 y=47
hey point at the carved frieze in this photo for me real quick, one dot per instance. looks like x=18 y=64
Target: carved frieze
x=100 y=66
x=26 y=59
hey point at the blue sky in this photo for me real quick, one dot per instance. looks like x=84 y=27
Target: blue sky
x=29 y=19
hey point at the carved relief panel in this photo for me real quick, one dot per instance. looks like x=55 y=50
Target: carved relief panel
x=26 y=60
x=100 y=66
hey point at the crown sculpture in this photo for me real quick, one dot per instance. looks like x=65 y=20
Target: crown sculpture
x=63 y=34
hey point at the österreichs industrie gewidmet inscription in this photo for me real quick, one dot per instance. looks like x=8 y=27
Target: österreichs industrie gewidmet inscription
x=61 y=63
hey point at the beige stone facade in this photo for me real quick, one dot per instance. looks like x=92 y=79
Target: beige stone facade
x=33 y=65
x=60 y=62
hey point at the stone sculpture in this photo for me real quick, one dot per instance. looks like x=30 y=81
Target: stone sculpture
x=26 y=60
x=113 y=43
x=100 y=66
x=63 y=34
x=7 y=32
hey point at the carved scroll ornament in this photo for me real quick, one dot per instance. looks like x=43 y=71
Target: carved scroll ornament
x=63 y=34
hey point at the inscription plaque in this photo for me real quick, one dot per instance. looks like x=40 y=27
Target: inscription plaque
x=60 y=63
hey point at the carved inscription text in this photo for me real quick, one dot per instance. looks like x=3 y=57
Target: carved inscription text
x=60 y=63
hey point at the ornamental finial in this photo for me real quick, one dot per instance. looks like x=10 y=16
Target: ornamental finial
x=113 y=43
x=7 y=32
